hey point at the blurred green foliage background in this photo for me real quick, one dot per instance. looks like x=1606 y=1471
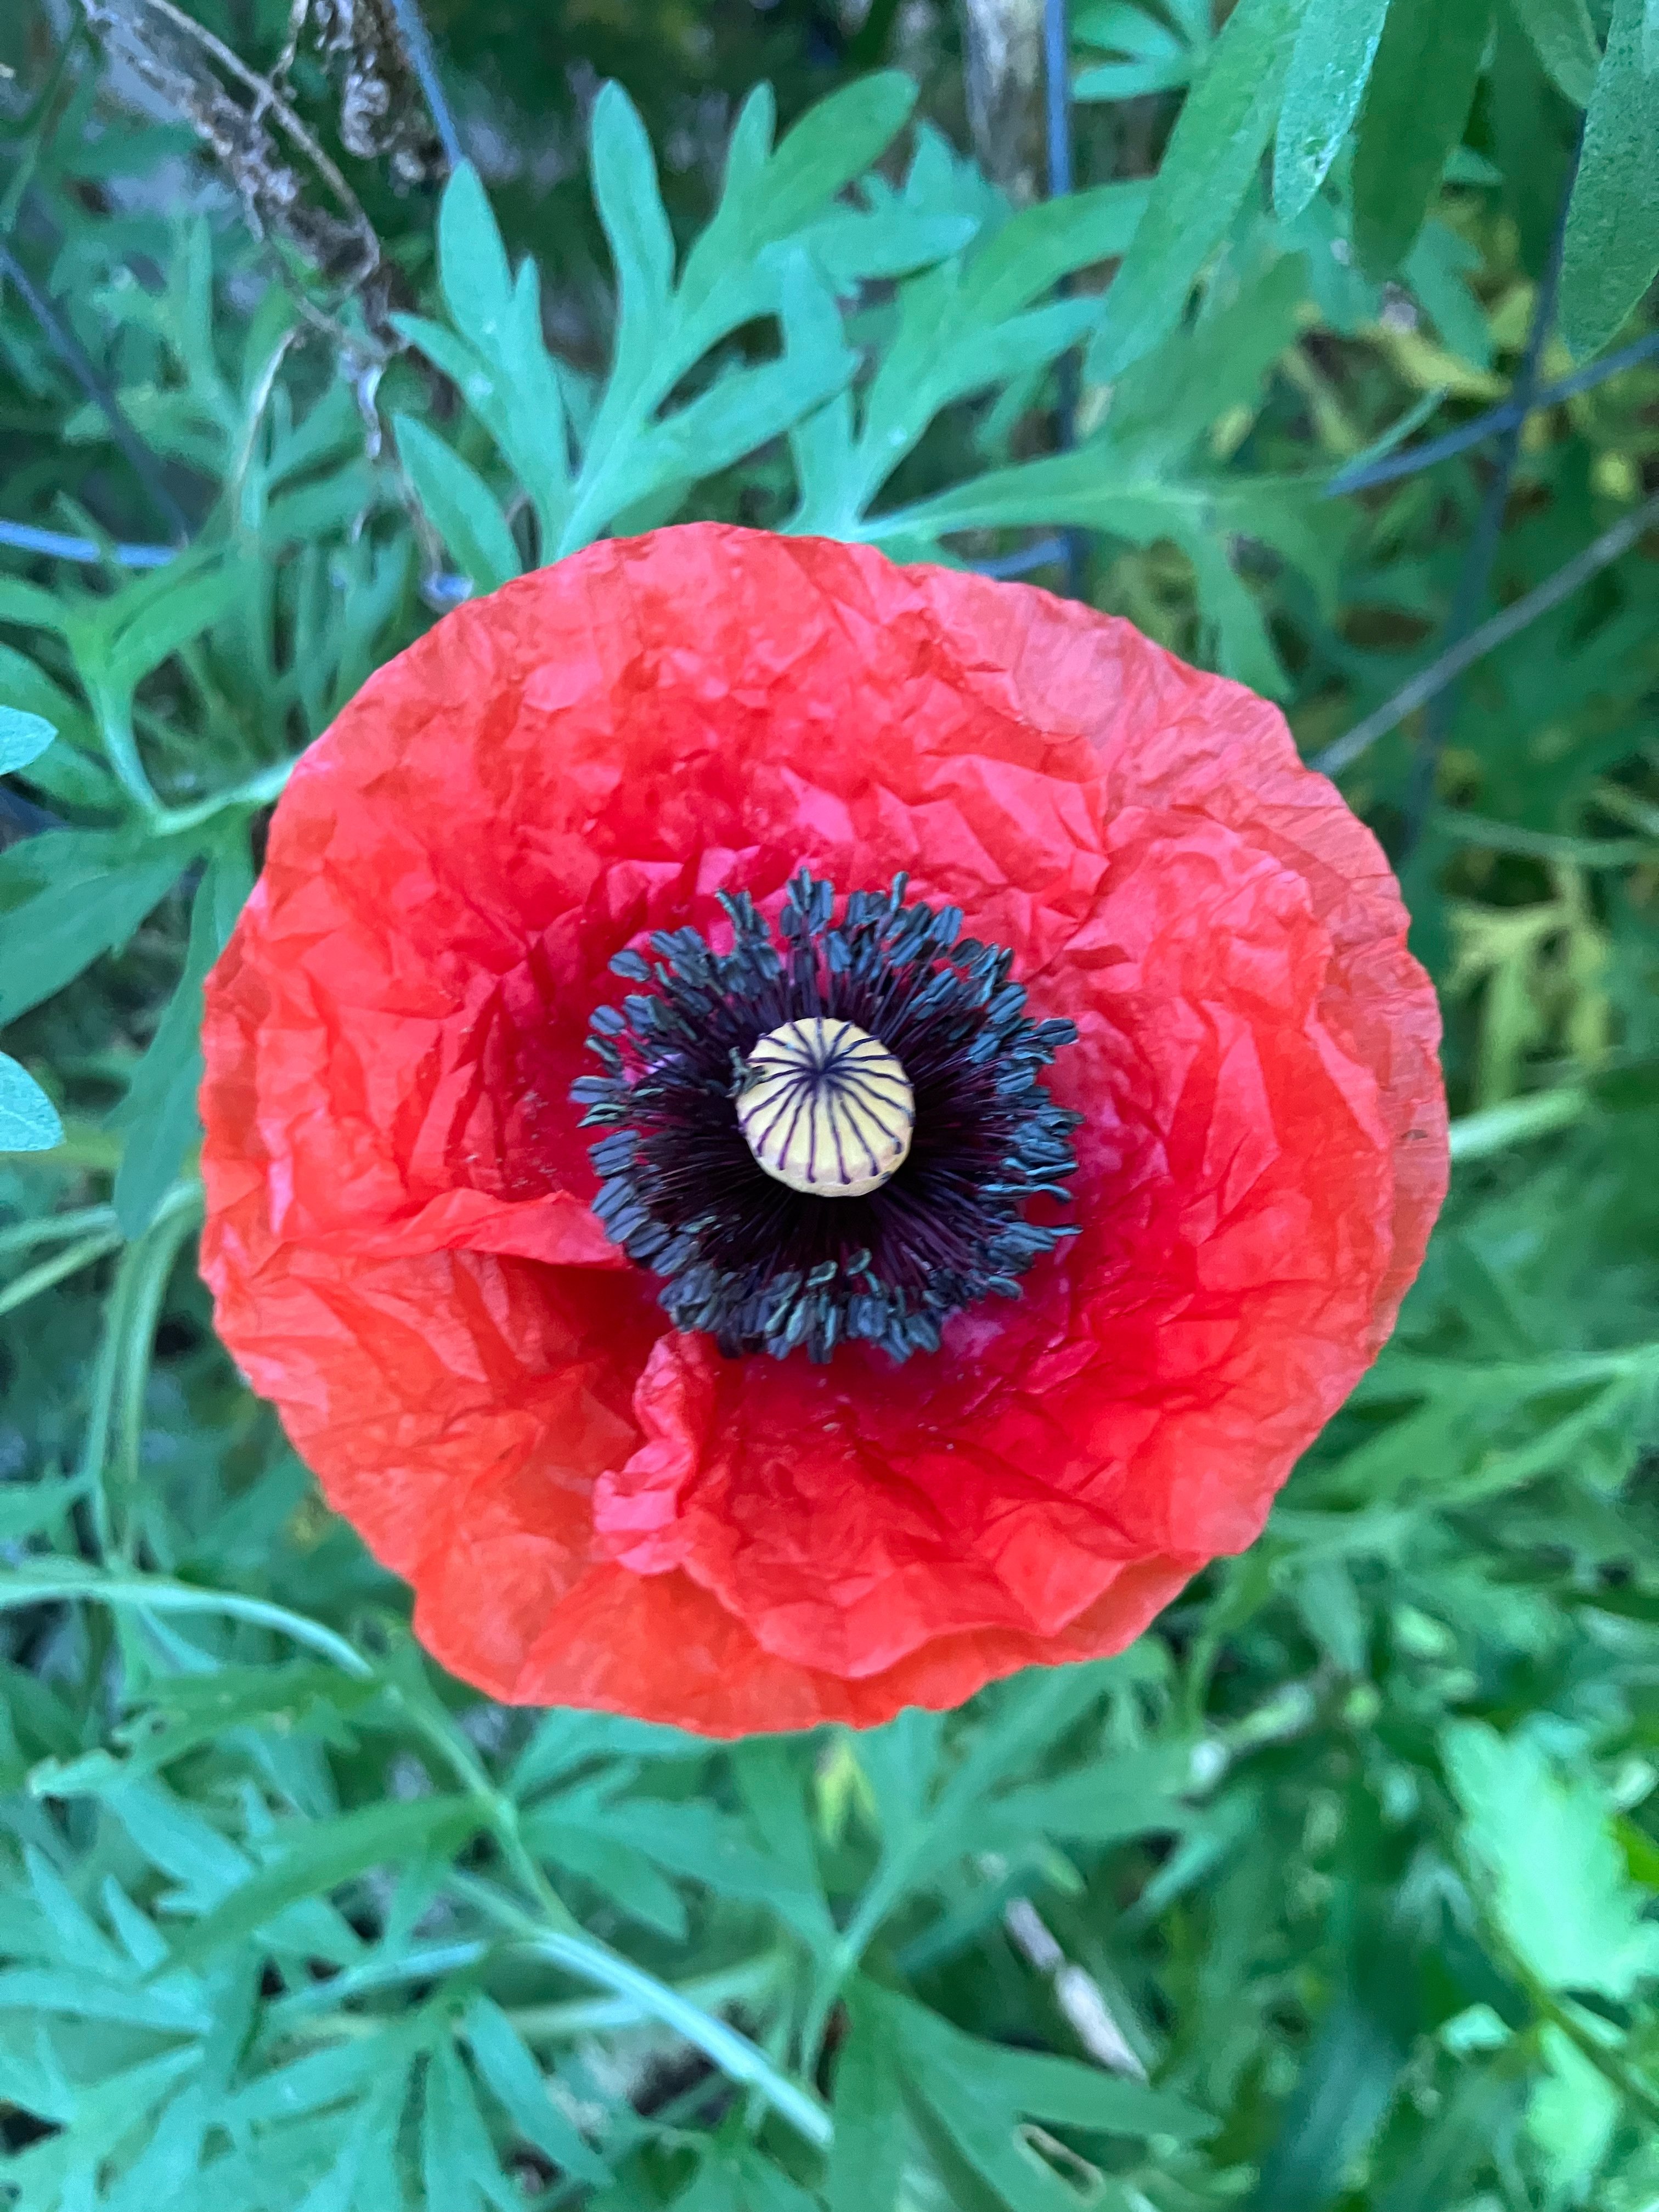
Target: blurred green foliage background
x=1338 y=1890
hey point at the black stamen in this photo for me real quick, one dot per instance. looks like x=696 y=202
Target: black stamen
x=763 y=1267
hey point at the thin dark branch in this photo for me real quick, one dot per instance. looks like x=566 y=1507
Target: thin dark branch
x=22 y=817
x=1474 y=579
x=1433 y=682
x=1057 y=91
x=424 y=62
x=1046 y=552
x=80 y=365
x=1506 y=415
x=1057 y=108
x=57 y=545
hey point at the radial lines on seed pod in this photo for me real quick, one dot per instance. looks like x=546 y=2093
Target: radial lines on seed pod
x=825 y=1107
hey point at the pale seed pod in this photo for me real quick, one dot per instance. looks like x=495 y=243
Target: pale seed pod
x=826 y=1108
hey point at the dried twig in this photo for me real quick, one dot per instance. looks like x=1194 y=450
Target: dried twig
x=252 y=130
x=391 y=99
x=1003 y=42
x=1076 y=1991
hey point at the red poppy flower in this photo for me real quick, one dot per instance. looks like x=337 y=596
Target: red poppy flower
x=1040 y=1392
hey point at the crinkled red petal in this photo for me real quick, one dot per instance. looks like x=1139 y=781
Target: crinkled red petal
x=595 y=1510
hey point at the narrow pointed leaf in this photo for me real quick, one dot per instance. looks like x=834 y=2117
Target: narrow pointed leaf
x=1612 y=223
x=1422 y=83
x=1329 y=67
x=1208 y=166
x=28 y=1120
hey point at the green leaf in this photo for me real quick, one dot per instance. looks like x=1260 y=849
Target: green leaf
x=1162 y=406
x=334 y=2075
x=977 y=2095
x=500 y=361
x=850 y=246
x=1037 y=245
x=1478 y=2114
x=1435 y=270
x=31 y=607
x=631 y=211
x=23 y=739
x=565 y=1739
x=1347 y=2083
x=1571 y=2118
x=1208 y=168
x=28 y=1120
x=536 y=437
x=1006 y=2085
x=867 y=2154
x=1329 y=67
x=1563 y=39
x=337 y=2190
x=472 y=266
x=1096 y=489
x=837 y=139
x=515 y=395
x=158 y=1116
x=740 y=411
x=26 y=1507
x=1063 y=2090
x=145 y=623
x=770 y=198
x=1422 y=83
x=736 y=2178
x=60 y=2170
x=1153 y=58
x=304 y=1698
x=619 y=1871
x=616 y=1841
x=95 y=888
x=514 y=2078
x=206 y=1865
x=458 y=2165
x=1613 y=220
x=961 y=329
x=178 y=2010
x=1137 y=1793
x=316 y=1856
x=1543 y=1850
x=67 y=771
x=75 y=1937
x=461 y=506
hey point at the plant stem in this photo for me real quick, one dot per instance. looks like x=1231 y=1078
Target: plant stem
x=1508 y=413
x=31 y=1285
x=1474 y=579
x=157 y=1594
x=1599 y=554
x=76 y=359
x=53 y=1228
x=424 y=62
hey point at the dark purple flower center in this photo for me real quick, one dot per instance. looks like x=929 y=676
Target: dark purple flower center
x=765 y=1268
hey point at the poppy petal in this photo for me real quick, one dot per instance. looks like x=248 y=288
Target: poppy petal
x=596 y=1510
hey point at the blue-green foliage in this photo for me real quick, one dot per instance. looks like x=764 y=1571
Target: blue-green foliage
x=1336 y=1893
